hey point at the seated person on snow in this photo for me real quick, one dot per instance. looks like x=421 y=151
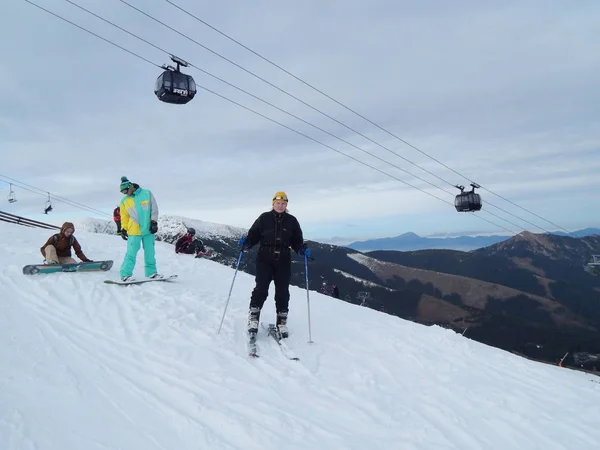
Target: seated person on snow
x=57 y=249
x=187 y=244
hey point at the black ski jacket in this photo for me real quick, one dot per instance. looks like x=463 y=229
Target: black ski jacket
x=275 y=233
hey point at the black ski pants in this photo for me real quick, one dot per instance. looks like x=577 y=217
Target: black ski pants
x=275 y=267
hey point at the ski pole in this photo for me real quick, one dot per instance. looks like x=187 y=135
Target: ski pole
x=231 y=288
x=307 y=297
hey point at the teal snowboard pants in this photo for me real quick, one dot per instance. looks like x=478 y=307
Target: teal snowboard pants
x=133 y=246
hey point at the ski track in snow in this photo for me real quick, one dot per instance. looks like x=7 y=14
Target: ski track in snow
x=94 y=366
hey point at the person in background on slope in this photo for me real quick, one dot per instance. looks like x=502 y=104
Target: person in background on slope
x=189 y=245
x=139 y=223
x=117 y=218
x=276 y=231
x=335 y=293
x=57 y=249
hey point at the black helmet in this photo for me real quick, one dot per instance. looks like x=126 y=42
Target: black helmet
x=191 y=231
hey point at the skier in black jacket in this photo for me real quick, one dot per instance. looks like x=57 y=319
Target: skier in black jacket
x=276 y=231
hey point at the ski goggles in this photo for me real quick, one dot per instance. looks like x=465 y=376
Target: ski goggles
x=280 y=197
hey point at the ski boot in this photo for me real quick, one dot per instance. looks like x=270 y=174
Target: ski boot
x=253 y=318
x=282 y=324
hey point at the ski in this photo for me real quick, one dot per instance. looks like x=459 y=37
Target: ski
x=252 y=347
x=285 y=349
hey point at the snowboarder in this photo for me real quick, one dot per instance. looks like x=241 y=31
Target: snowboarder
x=190 y=245
x=276 y=231
x=57 y=249
x=139 y=223
x=117 y=218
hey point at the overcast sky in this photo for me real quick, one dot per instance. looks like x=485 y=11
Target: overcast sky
x=505 y=93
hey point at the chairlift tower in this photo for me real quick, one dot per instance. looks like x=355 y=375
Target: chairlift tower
x=594 y=265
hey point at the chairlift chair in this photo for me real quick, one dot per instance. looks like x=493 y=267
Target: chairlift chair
x=11 y=196
x=467 y=201
x=48 y=207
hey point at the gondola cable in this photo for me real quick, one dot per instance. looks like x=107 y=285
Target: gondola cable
x=365 y=118
x=264 y=116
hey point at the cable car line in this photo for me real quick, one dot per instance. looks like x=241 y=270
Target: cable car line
x=250 y=94
x=54 y=196
x=467 y=198
x=278 y=88
x=240 y=105
x=355 y=159
x=457 y=198
x=58 y=198
x=270 y=119
x=281 y=124
x=260 y=99
x=163 y=96
x=326 y=115
x=91 y=32
x=114 y=25
x=365 y=118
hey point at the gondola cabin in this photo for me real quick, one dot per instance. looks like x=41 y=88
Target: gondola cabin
x=467 y=201
x=173 y=86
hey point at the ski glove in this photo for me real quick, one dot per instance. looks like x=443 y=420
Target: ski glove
x=305 y=251
x=242 y=241
x=153 y=226
x=124 y=234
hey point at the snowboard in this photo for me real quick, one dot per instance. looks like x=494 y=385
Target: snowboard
x=145 y=280
x=95 y=266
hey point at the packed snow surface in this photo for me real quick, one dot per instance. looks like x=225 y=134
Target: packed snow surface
x=86 y=365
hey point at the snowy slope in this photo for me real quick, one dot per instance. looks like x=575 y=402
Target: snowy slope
x=84 y=365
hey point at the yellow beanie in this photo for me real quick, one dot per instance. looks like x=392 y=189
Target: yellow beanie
x=280 y=195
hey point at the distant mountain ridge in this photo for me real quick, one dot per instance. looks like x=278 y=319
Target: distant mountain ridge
x=411 y=241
